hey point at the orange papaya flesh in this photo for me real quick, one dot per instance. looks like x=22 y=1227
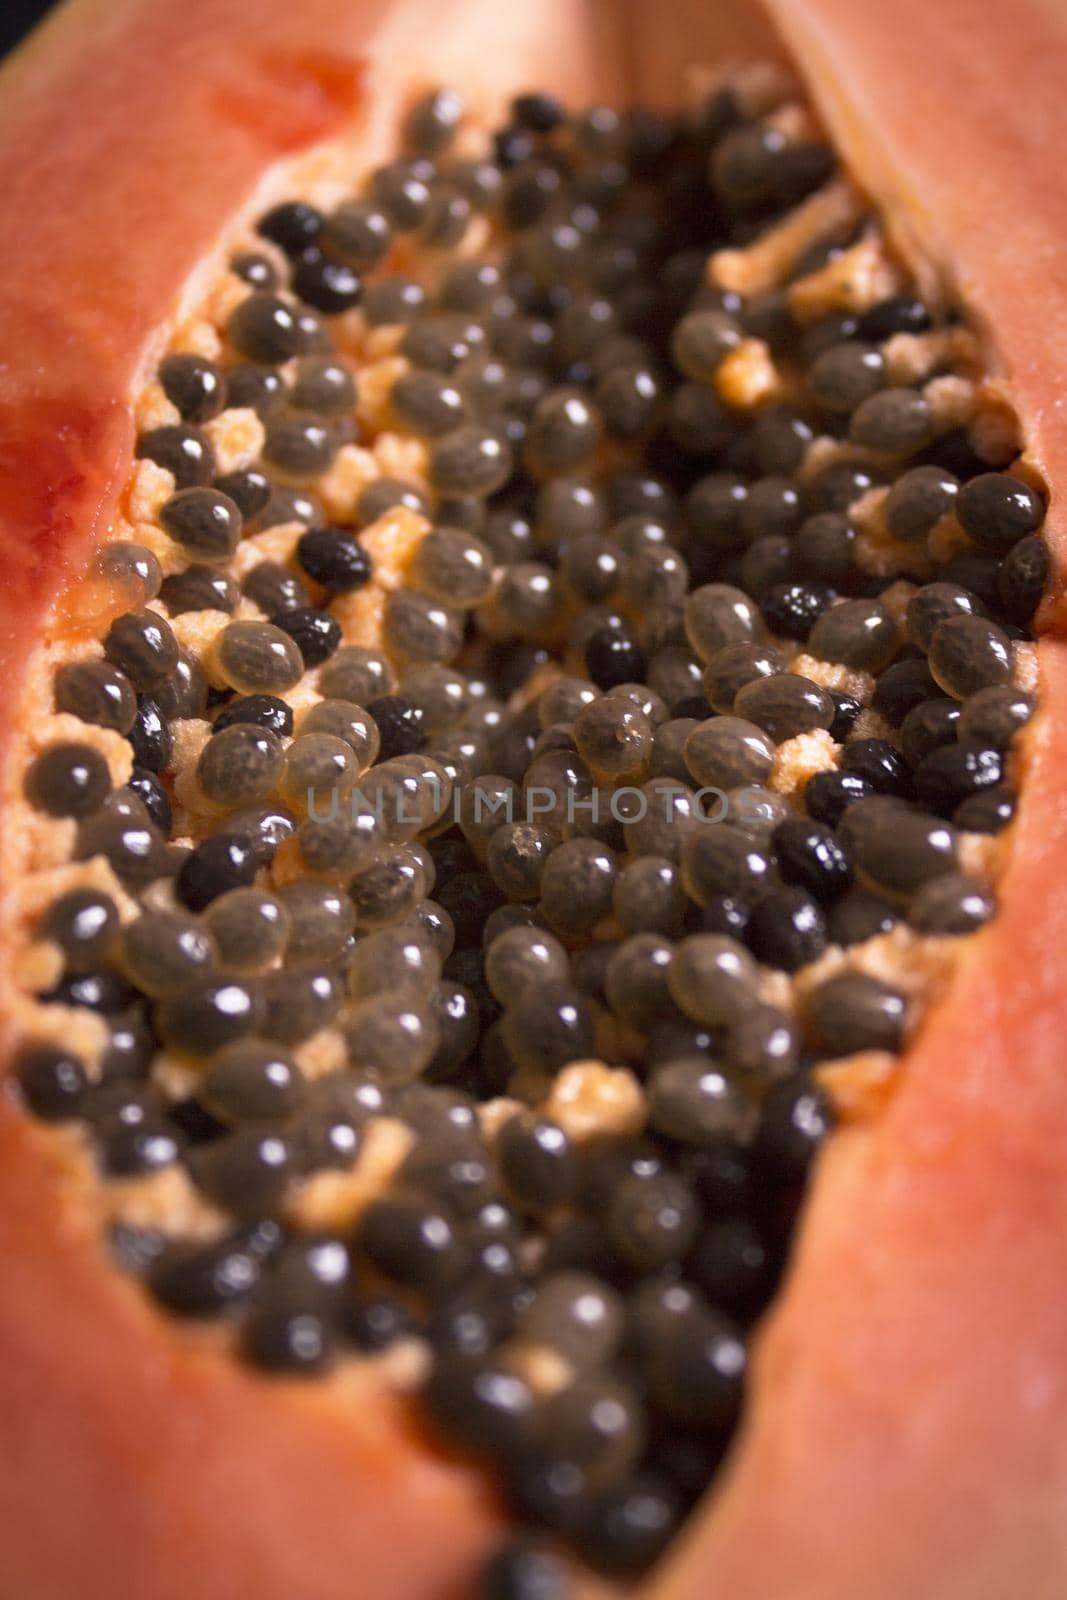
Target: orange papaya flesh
x=856 y=1414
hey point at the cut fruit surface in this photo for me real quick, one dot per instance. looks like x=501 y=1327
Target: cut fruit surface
x=340 y=561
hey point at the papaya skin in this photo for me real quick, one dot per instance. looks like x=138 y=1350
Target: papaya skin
x=907 y=1432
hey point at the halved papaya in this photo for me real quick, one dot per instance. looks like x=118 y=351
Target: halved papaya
x=904 y=1425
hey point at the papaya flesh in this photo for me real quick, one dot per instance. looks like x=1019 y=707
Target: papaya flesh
x=905 y=1427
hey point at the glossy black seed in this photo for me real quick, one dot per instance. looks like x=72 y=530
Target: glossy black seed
x=266 y=328
x=194 y=385
x=218 y=863
x=53 y=1080
x=260 y=710
x=150 y=737
x=1021 y=579
x=795 y=1118
x=901 y=687
x=811 y=856
x=400 y=725
x=142 y=646
x=83 y=922
x=787 y=929
x=67 y=780
x=184 y=452
x=334 y=558
x=846 y=710
x=792 y=609
x=331 y=286
x=986 y=812
x=899 y=314
x=855 y=1012
x=292 y=225
x=613 y=657
x=996 y=510
x=96 y=692
x=132 y=566
x=951 y=774
x=828 y=795
x=881 y=764
x=316 y=633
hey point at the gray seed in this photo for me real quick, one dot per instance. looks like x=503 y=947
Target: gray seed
x=240 y=765
x=258 y=658
x=853 y=1012
x=968 y=654
x=98 y=693
x=712 y=978
x=470 y=461
x=360 y=233
x=717 y=615
x=733 y=666
x=845 y=375
x=724 y=752
x=785 y=705
x=897 y=421
x=249 y=928
x=857 y=633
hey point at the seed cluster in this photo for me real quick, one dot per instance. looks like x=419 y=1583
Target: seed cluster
x=544 y=856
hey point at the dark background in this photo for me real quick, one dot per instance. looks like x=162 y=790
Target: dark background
x=18 y=17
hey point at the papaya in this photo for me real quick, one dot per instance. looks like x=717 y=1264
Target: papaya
x=441 y=408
